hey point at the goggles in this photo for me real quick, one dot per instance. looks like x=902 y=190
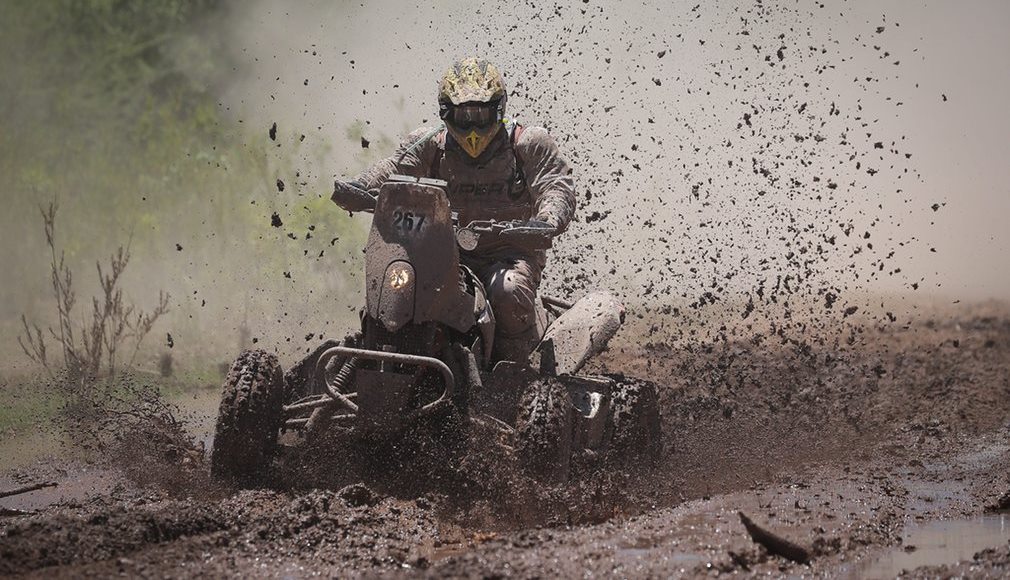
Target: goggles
x=470 y=115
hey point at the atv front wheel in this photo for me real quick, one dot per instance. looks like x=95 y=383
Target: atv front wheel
x=544 y=430
x=632 y=435
x=249 y=418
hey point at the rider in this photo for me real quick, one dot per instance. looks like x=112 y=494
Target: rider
x=498 y=170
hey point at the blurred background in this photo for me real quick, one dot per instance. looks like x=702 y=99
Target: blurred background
x=739 y=165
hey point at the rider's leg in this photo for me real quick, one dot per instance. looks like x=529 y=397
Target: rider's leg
x=512 y=290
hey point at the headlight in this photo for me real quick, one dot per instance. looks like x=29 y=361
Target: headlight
x=399 y=277
x=467 y=239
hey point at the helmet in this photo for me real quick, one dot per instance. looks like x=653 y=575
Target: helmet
x=471 y=101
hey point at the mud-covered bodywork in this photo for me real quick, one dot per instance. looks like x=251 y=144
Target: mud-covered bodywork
x=407 y=279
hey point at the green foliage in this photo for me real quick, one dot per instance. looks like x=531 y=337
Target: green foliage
x=112 y=110
x=26 y=404
x=102 y=109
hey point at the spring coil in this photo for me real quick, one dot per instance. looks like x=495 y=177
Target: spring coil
x=344 y=375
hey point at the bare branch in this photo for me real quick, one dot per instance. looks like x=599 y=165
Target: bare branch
x=145 y=322
x=96 y=340
x=27 y=488
x=38 y=347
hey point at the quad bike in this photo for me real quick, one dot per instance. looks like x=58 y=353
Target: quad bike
x=425 y=357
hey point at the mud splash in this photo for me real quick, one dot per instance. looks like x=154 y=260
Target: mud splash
x=485 y=488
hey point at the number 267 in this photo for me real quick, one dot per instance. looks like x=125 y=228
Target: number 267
x=407 y=221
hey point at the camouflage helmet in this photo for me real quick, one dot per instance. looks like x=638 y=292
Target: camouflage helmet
x=471 y=99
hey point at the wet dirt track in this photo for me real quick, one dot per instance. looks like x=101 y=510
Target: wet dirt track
x=840 y=449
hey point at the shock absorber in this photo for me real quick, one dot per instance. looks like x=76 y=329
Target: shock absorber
x=344 y=375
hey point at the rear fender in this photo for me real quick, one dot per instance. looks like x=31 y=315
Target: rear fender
x=580 y=333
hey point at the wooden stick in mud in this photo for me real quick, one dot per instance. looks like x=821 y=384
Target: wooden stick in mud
x=27 y=488
x=775 y=544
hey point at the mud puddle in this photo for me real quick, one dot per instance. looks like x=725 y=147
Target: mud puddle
x=46 y=455
x=938 y=543
x=74 y=485
x=21 y=449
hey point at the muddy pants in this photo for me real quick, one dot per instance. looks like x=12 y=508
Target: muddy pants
x=511 y=285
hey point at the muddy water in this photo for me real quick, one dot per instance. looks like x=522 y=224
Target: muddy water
x=23 y=448
x=78 y=484
x=940 y=542
x=79 y=481
x=926 y=450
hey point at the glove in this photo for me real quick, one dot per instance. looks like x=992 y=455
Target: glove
x=548 y=219
x=351 y=196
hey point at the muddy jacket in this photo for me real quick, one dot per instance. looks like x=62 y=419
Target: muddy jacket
x=520 y=176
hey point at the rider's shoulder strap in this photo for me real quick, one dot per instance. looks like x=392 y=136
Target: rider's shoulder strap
x=517 y=131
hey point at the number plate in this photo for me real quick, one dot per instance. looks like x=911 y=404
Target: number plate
x=408 y=221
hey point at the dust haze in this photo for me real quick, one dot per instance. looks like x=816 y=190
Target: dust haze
x=730 y=158
x=722 y=152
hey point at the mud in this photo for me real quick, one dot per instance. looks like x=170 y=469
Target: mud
x=848 y=450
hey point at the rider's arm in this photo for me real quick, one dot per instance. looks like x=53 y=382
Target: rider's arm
x=413 y=157
x=549 y=177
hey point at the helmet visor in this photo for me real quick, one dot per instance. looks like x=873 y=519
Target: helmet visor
x=470 y=115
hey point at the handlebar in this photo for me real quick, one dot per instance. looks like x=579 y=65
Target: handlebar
x=533 y=233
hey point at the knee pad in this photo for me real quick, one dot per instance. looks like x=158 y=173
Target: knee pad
x=513 y=302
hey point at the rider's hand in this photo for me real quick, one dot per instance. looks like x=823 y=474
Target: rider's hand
x=353 y=185
x=352 y=196
x=547 y=218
